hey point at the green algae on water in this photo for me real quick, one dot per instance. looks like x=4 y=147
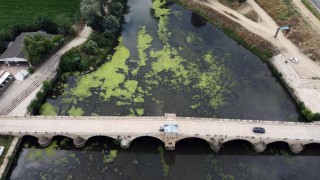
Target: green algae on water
x=108 y=77
x=75 y=111
x=34 y=154
x=51 y=149
x=165 y=166
x=110 y=157
x=192 y=37
x=163 y=15
x=140 y=111
x=144 y=41
x=48 y=110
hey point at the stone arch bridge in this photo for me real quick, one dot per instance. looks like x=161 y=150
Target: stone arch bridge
x=126 y=129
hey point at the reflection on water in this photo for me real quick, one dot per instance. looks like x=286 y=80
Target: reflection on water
x=192 y=159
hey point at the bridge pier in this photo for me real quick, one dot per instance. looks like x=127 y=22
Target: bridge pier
x=260 y=146
x=44 y=141
x=79 y=142
x=296 y=147
x=215 y=145
x=125 y=143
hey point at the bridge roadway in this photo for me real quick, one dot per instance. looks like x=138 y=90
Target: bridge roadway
x=126 y=129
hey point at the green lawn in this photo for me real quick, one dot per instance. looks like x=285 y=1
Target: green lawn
x=25 y=11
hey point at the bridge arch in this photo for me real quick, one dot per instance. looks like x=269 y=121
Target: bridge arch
x=258 y=145
x=196 y=139
x=153 y=141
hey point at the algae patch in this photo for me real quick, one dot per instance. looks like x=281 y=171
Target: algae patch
x=110 y=157
x=48 y=110
x=165 y=166
x=75 y=111
x=144 y=41
x=163 y=15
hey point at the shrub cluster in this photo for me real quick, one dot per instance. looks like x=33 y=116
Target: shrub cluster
x=309 y=115
x=38 y=47
x=36 y=104
x=106 y=24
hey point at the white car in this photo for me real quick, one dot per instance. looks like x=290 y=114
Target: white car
x=295 y=60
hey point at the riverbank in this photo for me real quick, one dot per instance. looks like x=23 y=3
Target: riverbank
x=249 y=40
x=259 y=37
x=7 y=161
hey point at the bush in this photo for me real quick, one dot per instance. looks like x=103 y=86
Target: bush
x=116 y=9
x=46 y=86
x=31 y=70
x=90 y=48
x=37 y=47
x=44 y=23
x=111 y=24
x=70 y=61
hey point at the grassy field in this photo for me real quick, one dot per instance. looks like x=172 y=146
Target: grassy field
x=18 y=16
x=25 y=11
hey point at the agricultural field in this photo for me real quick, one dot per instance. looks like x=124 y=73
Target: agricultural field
x=18 y=15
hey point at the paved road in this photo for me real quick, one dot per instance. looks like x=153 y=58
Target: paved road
x=139 y=126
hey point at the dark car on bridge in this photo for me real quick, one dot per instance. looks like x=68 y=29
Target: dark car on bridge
x=258 y=130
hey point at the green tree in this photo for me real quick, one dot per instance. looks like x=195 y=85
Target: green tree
x=37 y=47
x=111 y=23
x=70 y=61
x=44 y=23
x=109 y=37
x=46 y=86
x=116 y=9
x=91 y=11
x=91 y=47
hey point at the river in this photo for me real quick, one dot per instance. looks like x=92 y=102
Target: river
x=169 y=60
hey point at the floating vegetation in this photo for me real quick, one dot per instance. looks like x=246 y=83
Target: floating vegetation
x=169 y=62
x=144 y=41
x=34 y=154
x=165 y=166
x=110 y=158
x=140 y=112
x=48 y=110
x=51 y=149
x=163 y=15
x=75 y=111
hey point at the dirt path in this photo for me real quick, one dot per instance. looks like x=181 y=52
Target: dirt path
x=308 y=16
